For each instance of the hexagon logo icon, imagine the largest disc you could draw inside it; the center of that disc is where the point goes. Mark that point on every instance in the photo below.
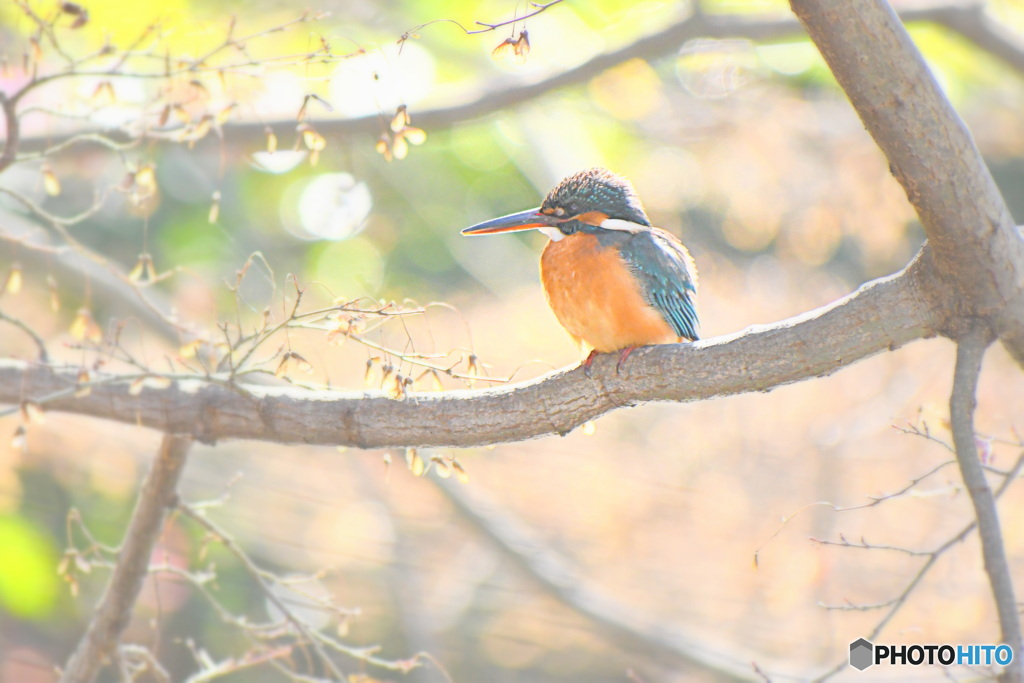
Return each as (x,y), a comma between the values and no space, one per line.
(861,654)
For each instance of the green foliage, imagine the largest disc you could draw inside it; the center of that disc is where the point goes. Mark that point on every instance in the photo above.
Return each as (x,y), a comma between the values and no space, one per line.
(29,584)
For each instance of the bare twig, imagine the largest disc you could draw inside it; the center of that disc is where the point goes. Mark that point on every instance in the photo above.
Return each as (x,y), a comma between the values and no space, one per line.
(157,494)
(108,284)
(319,641)
(537,9)
(487,27)
(260,577)
(970,350)
(896,603)
(44,356)
(873,501)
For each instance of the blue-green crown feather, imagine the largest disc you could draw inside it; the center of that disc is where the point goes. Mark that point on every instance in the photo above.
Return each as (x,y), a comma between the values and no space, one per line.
(597,189)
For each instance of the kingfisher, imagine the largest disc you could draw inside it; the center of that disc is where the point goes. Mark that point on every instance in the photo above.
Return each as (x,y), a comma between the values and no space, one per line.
(614,281)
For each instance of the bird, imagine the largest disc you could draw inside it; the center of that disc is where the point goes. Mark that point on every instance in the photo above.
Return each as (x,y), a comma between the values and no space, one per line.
(613,281)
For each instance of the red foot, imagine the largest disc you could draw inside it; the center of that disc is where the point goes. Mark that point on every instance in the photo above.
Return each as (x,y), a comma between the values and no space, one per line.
(622,358)
(587,362)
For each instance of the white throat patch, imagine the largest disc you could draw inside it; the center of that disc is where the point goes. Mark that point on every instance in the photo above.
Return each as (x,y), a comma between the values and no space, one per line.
(554,234)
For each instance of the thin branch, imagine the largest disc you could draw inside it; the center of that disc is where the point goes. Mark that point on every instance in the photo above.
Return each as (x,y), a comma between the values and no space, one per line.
(969,353)
(44,356)
(882,315)
(261,579)
(58,222)
(95,138)
(487,27)
(109,286)
(933,556)
(319,641)
(537,9)
(157,494)
(183,67)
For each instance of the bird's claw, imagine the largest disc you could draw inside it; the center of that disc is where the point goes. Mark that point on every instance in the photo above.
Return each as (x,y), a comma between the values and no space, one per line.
(622,358)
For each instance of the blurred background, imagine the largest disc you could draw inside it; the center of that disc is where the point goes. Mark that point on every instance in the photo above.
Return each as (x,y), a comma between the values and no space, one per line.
(748,152)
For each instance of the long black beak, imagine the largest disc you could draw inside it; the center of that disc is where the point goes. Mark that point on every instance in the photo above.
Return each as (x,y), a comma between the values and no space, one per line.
(524,220)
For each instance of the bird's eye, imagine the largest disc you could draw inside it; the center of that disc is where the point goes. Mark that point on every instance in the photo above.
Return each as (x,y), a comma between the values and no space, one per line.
(559,211)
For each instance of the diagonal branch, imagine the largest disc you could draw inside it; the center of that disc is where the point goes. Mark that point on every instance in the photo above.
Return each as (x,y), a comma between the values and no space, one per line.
(556,577)
(115,608)
(964,17)
(967,18)
(882,315)
(262,580)
(969,353)
(973,23)
(72,265)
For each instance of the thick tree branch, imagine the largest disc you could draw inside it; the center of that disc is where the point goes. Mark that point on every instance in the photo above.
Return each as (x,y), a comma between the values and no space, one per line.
(969,353)
(884,314)
(976,250)
(157,495)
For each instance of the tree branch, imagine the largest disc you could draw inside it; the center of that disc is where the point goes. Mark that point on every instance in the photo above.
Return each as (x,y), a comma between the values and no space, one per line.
(969,353)
(894,605)
(972,22)
(975,247)
(884,314)
(12,138)
(108,623)
(964,17)
(958,16)
(554,575)
(73,265)
(260,577)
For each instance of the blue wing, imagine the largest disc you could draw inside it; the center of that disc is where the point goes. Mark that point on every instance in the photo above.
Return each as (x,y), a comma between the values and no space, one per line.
(667,277)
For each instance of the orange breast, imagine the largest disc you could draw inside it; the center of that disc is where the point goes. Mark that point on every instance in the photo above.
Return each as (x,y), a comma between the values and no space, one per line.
(596,298)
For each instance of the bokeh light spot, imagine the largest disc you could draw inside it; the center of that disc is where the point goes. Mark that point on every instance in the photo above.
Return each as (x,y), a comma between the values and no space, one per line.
(383,79)
(279,162)
(629,91)
(330,206)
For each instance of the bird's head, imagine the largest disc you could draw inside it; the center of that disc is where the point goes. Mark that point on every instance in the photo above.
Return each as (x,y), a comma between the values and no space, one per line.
(588,198)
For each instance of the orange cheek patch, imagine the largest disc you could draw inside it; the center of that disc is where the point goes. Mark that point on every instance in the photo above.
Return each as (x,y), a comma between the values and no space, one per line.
(595,218)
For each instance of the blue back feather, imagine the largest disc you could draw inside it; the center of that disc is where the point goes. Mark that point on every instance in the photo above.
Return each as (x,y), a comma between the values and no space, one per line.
(667,278)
